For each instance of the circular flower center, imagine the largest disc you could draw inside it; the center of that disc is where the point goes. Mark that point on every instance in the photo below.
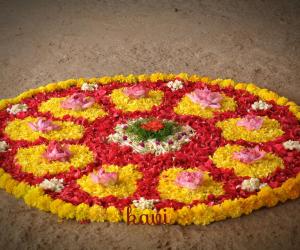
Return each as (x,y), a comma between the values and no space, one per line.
(154,125)
(145,129)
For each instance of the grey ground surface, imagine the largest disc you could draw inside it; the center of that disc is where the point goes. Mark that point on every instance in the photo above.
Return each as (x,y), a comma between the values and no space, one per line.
(249,41)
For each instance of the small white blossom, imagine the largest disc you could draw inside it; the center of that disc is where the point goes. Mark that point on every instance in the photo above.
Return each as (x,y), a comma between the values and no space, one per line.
(250,185)
(15,109)
(262,185)
(175,85)
(3,146)
(89,86)
(291,145)
(53,184)
(143,203)
(261,105)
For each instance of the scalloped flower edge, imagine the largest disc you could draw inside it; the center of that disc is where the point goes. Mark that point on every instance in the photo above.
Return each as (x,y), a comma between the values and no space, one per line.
(200,214)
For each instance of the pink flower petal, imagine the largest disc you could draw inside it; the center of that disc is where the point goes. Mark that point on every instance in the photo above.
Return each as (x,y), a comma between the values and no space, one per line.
(95,178)
(249,155)
(43,125)
(206,98)
(136,91)
(33,126)
(77,102)
(251,122)
(190,180)
(57,152)
(105,179)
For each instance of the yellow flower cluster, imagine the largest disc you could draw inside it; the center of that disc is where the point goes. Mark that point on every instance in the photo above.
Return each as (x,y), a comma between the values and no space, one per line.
(126,185)
(31,160)
(35,197)
(168,189)
(53,106)
(19,129)
(223,158)
(128,104)
(199,215)
(264,94)
(231,131)
(187,107)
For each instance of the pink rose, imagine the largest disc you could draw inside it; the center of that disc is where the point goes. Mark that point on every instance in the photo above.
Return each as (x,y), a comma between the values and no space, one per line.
(43,125)
(136,91)
(249,155)
(251,122)
(77,101)
(105,179)
(206,98)
(57,152)
(190,180)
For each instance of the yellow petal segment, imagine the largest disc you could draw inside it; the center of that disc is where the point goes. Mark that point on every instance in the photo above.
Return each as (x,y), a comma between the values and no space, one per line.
(53,106)
(19,129)
(31,160)
(168,189)
(187,107)
(127,104)
(223,158)
(270,130)
(126,185)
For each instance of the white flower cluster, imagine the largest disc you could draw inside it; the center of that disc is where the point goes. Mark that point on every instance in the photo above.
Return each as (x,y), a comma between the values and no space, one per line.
(89,86)
(252,185)
(175,85)
(53,184)
(143,203)
(291,145)
(15,109)
(171,143)
(3,146)
(261,105)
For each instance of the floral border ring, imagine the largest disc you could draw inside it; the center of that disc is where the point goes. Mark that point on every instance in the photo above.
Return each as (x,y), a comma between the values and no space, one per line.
(159,148)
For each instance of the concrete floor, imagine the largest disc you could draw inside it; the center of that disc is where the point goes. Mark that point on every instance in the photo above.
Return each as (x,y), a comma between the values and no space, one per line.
(249,41)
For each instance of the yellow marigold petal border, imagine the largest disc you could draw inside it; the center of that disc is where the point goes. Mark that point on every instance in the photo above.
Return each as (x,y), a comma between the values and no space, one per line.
(264,94)
(200,215)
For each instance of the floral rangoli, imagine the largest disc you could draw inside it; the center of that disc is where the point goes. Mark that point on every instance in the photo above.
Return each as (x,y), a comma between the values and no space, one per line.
(153,149)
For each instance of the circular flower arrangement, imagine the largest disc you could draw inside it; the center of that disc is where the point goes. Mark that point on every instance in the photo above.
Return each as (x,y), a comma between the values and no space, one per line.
(158,148)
